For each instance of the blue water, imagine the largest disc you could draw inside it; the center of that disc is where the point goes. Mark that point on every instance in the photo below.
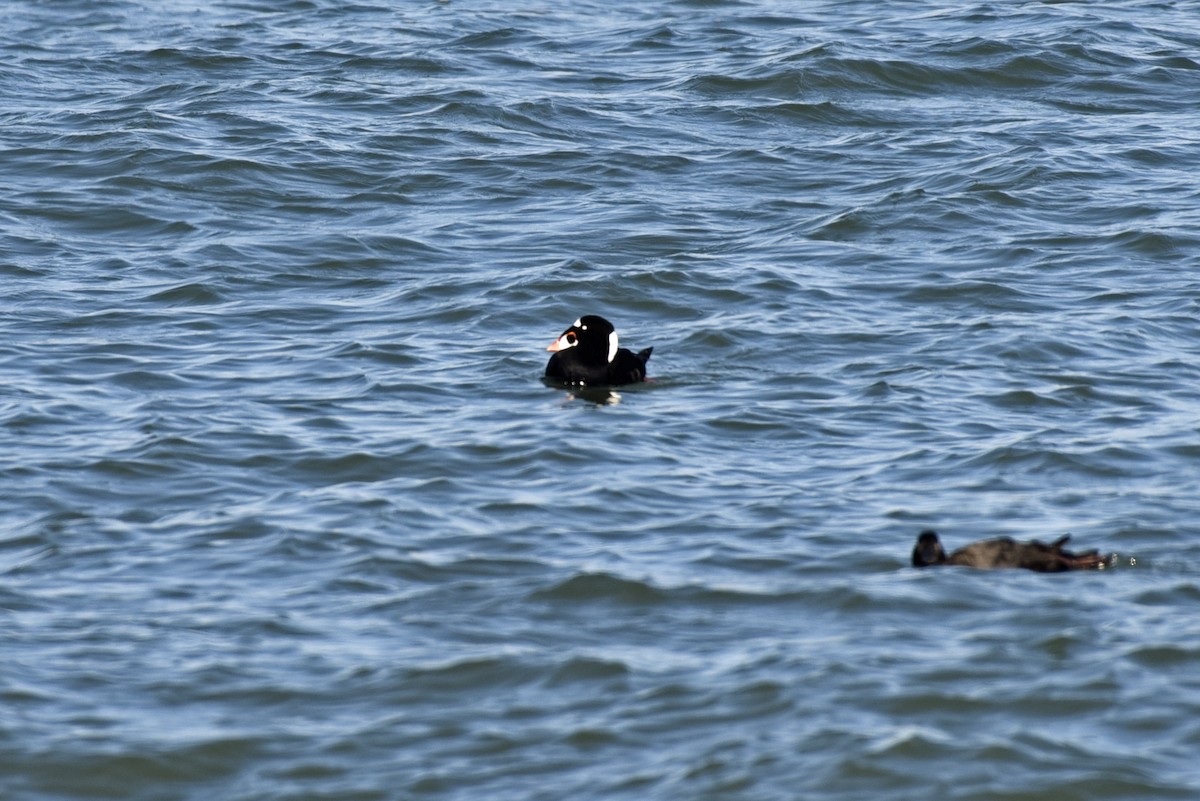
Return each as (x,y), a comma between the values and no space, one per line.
(288,512)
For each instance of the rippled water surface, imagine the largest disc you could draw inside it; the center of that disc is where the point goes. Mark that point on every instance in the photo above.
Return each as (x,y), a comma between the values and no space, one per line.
(288,512)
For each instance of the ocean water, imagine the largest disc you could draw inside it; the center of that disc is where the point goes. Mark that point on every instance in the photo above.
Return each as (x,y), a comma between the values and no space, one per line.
(288,512)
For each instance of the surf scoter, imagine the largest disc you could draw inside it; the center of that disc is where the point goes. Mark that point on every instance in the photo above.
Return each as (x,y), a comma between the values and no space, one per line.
(1007,552)
(587,354)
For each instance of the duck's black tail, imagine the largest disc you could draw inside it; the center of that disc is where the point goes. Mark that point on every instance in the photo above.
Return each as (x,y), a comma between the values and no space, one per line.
(1092,560)
(1088,560)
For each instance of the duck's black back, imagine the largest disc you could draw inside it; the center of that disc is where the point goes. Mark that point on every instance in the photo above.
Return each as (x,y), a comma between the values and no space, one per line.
(572,367)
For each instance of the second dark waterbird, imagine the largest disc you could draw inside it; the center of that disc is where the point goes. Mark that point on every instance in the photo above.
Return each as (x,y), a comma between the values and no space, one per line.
(1006,552)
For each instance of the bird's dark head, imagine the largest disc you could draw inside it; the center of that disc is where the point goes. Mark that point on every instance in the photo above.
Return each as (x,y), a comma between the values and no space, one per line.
(593,335)
(929,550)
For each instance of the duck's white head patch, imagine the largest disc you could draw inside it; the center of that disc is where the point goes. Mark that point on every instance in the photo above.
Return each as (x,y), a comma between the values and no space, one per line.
(612,346)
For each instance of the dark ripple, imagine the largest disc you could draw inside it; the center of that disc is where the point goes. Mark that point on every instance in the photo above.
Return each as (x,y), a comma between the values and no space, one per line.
(602,587)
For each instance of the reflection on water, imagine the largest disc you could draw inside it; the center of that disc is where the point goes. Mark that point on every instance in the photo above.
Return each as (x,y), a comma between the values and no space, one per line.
(598,395)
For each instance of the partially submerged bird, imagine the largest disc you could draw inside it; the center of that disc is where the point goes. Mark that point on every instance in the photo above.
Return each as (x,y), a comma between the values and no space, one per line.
(1007,552)
(587,354)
